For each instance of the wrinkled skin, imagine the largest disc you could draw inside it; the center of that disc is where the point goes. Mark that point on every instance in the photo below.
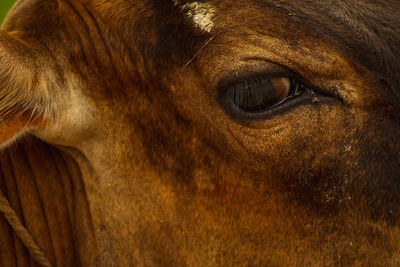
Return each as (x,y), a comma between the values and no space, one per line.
(148,168)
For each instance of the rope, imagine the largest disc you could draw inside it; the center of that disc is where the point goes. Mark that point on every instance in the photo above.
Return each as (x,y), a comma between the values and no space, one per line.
(26,238)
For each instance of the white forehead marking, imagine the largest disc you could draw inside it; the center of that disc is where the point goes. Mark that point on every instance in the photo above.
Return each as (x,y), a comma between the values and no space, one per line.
(201,14)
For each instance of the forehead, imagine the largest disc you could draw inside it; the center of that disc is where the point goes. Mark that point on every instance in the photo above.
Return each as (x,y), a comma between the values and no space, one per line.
(364,31)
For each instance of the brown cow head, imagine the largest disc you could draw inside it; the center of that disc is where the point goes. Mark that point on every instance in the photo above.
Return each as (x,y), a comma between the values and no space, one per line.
(218,132)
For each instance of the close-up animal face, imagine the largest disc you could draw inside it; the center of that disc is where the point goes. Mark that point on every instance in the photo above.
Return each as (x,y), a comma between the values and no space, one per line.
(200,133)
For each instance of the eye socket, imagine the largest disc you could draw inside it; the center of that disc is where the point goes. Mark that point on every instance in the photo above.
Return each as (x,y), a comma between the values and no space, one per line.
(258,95)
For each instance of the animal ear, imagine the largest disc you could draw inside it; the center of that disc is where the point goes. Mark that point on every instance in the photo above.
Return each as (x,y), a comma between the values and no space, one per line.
(24,94)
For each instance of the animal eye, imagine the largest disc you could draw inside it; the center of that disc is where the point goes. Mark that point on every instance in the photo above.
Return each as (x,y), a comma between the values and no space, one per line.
(257,96)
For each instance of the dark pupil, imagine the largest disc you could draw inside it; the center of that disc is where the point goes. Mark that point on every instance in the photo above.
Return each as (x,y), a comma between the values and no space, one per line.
(257,95)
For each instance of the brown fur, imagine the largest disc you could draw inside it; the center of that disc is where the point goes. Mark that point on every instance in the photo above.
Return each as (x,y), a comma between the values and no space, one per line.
(140,164)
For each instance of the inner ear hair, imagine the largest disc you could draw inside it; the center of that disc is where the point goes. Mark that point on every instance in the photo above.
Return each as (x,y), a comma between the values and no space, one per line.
(25,100)
(24,93)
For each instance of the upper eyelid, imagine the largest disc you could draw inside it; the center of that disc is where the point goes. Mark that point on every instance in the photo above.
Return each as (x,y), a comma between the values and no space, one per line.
(278,69)
(254,67)
(230,79)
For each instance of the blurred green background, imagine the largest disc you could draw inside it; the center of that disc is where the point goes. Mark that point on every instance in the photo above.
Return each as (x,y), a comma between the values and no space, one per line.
(5,5)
